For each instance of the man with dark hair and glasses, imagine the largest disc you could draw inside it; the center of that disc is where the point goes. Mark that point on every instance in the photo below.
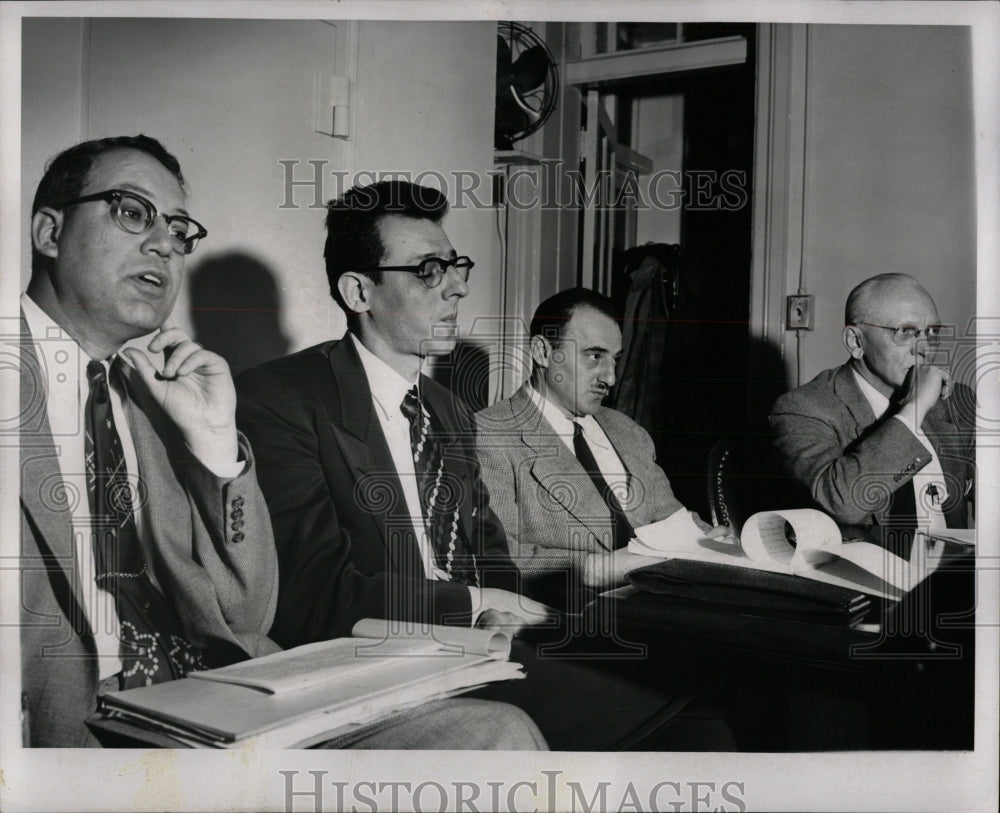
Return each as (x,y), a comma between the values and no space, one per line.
(885,441)
(146,545)
(143,531)
(369,469)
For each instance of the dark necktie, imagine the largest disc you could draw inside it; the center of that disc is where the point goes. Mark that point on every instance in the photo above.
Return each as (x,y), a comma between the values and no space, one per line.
(901,521)
(438,496)
(623,530)
(152,646)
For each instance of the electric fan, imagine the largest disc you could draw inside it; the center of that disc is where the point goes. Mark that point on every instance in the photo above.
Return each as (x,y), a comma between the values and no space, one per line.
(527,84)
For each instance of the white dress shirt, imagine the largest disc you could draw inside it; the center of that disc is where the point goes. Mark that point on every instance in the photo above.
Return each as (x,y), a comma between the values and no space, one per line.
(928,484)
(611,466)
(389,389)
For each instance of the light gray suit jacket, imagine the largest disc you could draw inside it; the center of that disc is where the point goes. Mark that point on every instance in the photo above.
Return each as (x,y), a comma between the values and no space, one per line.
(214,556)
(553,514)
(829,441)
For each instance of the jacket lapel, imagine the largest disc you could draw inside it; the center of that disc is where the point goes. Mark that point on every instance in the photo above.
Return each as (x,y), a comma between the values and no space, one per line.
(557,471)
(853,399)
(41,477)
(362,442)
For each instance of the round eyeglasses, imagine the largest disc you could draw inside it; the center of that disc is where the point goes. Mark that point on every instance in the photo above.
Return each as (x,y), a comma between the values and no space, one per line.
(131,212)
(908,333)
(432,270)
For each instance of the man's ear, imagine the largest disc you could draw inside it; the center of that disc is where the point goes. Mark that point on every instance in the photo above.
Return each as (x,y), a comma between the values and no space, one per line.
(355,291)
(46,224)
(540,351)
(852,341)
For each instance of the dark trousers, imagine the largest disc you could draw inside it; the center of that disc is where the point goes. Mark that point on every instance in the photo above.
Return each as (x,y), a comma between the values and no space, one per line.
(587,699)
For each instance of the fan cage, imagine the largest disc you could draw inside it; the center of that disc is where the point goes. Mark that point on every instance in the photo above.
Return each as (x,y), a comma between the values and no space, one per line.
(520,38)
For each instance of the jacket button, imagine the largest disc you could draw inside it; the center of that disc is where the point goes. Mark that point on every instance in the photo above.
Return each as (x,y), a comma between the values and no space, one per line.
(238,536)
(237,525)
(237,513)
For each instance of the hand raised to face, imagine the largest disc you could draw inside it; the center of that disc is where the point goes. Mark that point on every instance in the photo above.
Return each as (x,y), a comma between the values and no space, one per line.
(195,389)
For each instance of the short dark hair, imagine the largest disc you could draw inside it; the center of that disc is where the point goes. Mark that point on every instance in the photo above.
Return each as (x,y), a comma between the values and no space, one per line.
(353,242)
(552,315)
(66,174)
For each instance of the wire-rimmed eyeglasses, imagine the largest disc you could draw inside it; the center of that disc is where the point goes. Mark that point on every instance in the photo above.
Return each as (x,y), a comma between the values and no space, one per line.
(908,333)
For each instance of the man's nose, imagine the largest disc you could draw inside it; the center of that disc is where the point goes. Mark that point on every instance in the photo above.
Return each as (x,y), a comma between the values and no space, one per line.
(607,373)
(454,283)
(157,238)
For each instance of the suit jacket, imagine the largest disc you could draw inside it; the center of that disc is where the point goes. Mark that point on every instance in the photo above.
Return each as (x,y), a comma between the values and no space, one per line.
(553,514)
(830,442)
(213,548)
(345,544)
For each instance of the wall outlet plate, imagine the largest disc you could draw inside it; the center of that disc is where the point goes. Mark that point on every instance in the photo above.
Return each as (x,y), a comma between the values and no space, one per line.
(799,312)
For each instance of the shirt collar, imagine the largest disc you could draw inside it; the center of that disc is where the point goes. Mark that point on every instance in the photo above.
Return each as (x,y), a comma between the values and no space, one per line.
(876,400)
(559,421)
(65,381)
(388,387)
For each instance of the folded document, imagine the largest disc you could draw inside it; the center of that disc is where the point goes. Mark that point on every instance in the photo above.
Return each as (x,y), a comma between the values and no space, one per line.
(309,694)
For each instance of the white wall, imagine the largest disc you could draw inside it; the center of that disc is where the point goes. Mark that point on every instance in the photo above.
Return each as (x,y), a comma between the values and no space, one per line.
(425,96)
(890,182)
(51,90)
(232,98)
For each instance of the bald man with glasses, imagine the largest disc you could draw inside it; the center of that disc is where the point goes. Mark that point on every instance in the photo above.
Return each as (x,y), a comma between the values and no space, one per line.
(886,440)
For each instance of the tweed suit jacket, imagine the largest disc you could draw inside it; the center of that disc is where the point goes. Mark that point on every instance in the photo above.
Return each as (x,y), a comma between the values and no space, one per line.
(829,441)
(344,536)
(212,545)
(553,514)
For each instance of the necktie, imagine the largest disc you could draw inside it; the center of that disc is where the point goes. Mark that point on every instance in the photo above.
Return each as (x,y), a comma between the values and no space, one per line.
(901,521)
(152,646)
(438,496)
(623,530)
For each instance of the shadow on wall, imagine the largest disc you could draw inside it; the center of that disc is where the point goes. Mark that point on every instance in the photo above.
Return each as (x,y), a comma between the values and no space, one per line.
(466,372)
(236,310)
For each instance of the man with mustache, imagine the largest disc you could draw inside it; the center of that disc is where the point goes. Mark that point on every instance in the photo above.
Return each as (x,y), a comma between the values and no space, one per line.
(146,546)
(885,441)
(569,478)
(369,470)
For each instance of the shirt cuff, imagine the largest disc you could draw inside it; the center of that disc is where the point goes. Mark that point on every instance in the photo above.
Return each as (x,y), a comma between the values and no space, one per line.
(477,604)
(907,419)
(225,470)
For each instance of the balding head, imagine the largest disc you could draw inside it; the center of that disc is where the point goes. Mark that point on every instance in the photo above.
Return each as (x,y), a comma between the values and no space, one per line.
(875,310)
(879,296)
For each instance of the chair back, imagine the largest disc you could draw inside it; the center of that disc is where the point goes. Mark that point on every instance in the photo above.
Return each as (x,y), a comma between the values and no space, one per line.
(745,477)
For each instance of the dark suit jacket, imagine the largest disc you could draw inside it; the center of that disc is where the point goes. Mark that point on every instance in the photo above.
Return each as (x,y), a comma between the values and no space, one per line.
(830,442)
(217,567)
(553,514)
(345,545)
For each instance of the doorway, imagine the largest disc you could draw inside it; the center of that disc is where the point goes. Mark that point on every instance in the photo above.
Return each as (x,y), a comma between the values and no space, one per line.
(689,384)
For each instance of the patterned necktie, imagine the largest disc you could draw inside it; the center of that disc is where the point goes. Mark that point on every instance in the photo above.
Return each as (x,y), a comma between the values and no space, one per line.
(438,496)
(623,530)
(152,646)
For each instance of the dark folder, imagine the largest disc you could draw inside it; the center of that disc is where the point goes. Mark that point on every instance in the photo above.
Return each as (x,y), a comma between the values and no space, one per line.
(750,591)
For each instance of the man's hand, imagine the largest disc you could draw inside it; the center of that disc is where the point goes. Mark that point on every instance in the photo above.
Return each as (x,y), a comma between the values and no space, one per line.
(602,571)
(195,389)
(510,612)
(926,384)
(723,532)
